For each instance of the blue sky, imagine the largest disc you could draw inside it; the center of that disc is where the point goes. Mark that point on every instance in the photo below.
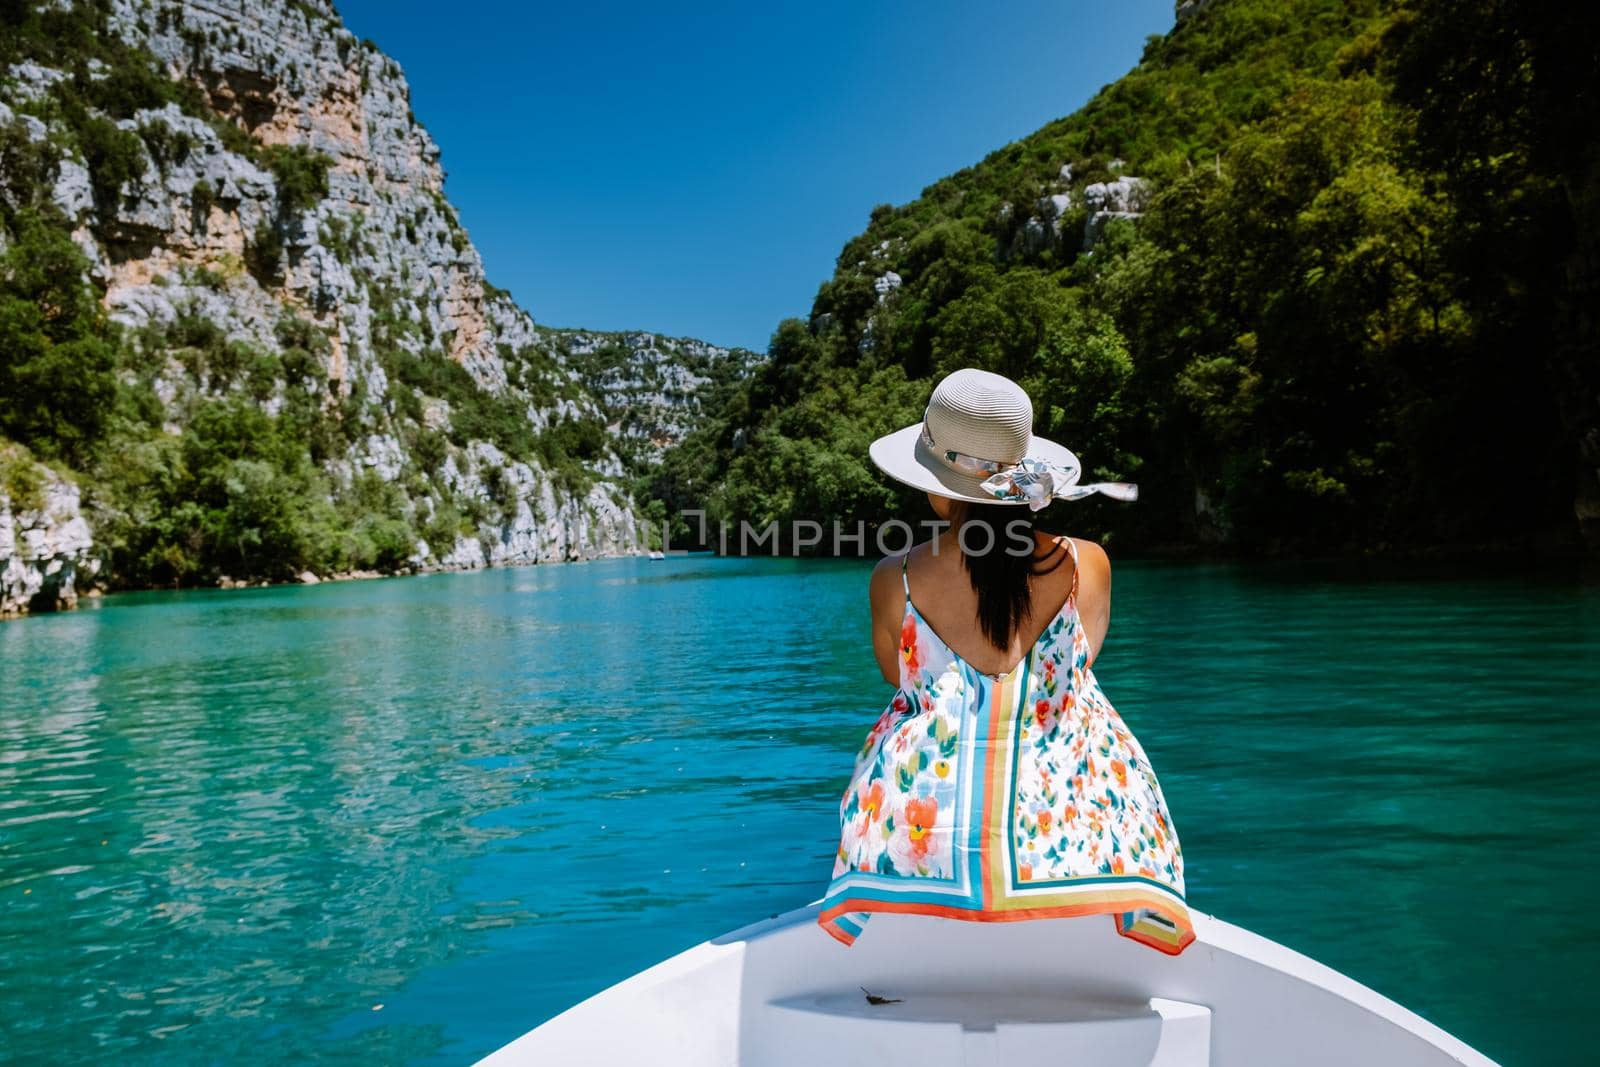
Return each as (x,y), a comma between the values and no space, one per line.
(695,171)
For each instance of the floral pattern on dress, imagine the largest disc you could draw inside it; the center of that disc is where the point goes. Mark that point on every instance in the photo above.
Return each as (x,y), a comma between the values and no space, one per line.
(897,817)
(1086,800)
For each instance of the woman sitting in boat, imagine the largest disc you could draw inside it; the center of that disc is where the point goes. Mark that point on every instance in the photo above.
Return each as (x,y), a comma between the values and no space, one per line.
(999,784)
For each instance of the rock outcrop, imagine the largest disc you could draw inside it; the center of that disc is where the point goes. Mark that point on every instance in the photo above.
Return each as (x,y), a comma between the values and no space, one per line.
(45,545)
(1098,203)
(1121,198)
(1184,10)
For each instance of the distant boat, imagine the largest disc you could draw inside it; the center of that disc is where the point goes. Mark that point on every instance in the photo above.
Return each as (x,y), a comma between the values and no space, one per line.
(942,993)
(657,555)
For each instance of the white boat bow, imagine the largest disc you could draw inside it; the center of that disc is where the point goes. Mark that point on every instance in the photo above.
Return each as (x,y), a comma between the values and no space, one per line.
(943,993)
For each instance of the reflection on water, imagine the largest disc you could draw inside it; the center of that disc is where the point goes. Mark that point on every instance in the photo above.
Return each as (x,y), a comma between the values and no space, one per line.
(232,825)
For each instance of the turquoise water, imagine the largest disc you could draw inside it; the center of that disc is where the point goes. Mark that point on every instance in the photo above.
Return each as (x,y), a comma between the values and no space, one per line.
(234,824)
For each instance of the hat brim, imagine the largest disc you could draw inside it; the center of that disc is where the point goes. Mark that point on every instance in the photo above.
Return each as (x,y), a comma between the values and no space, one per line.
(906,458)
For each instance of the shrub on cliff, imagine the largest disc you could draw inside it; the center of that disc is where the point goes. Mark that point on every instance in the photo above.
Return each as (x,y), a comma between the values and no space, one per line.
(57,357)
(22,480)
(263,253)
(301,175)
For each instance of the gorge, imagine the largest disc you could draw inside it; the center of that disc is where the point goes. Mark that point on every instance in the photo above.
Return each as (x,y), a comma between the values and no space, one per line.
(1278,274)
(247,337)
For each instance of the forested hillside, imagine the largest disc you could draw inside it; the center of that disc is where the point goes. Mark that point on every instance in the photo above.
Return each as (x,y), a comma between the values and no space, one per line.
(1320,275)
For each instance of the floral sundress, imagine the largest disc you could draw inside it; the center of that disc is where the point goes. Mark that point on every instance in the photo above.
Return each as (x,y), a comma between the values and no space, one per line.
(1021,796)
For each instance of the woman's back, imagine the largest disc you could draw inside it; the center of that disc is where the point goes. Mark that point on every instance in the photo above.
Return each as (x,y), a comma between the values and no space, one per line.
(936,581)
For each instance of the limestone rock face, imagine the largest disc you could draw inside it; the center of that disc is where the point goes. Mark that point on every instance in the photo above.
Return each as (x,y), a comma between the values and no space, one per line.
(45,545)
(1123,198)
(290,75)
(653,389)
(368,269)
(1056,205)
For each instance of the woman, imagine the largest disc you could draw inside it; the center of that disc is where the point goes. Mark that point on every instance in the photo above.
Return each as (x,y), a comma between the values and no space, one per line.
(999,784)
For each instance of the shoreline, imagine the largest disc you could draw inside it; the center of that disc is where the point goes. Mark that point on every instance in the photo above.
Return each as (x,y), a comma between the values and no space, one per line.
(229,585)
(1430,561)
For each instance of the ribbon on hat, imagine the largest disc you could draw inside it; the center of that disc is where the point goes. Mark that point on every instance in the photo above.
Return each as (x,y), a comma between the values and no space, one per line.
(1032,479)
(1038,482)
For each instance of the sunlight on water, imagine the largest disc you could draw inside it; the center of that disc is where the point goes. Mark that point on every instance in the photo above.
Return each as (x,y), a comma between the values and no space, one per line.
(234,825)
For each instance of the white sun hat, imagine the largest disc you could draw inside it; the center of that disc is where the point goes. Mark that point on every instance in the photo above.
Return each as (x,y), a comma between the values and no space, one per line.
(975,442)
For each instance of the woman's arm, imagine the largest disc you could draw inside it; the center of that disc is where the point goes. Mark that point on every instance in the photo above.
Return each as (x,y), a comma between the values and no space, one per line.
(888,609)
(1094,593)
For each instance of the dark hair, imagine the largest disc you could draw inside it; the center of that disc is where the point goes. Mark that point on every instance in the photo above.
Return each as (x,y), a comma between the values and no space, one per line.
(1000,555)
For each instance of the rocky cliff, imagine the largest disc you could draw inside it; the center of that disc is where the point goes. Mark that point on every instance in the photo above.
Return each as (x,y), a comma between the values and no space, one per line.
(45,546)
(653,389)
(263,225)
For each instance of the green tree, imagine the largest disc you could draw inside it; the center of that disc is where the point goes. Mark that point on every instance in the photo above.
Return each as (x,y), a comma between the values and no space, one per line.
(57,360)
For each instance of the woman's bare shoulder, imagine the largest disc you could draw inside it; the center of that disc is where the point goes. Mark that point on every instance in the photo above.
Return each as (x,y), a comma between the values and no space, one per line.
(887,569)
(885,586)
(1091,555)
(1092,559)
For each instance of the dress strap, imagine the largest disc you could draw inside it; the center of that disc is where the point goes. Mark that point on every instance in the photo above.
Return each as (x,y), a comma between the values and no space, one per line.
(905,579)
(1072,550)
